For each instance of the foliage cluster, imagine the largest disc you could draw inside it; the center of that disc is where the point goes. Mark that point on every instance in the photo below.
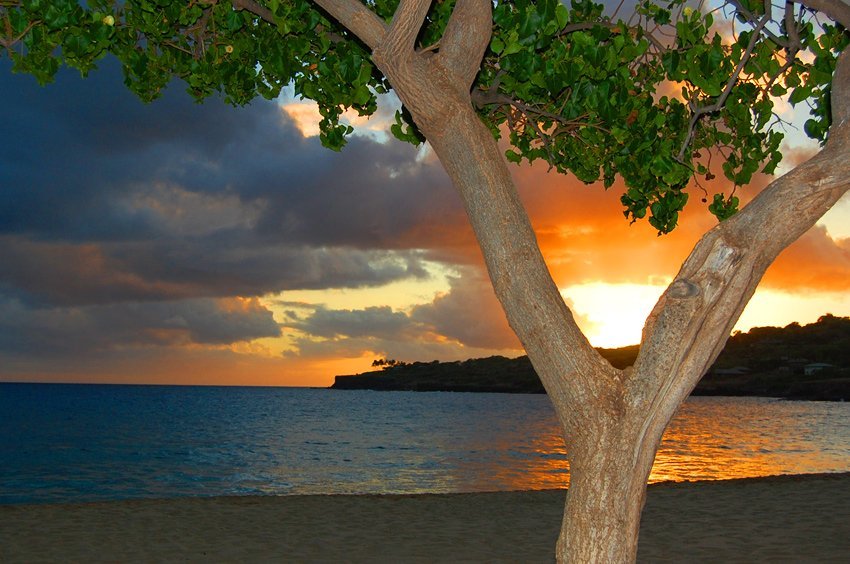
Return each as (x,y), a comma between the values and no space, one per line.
(655,99)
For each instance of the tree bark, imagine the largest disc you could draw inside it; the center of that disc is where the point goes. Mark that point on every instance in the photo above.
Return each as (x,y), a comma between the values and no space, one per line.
(613,419)
(606,497)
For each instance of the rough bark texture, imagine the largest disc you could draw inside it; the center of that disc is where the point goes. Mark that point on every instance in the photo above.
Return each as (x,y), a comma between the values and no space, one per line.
(613,419)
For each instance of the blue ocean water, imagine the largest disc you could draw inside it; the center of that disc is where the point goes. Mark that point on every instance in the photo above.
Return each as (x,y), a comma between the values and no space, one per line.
(69,443)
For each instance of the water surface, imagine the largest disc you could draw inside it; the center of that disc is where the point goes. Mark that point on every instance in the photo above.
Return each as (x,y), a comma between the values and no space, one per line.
(91,442)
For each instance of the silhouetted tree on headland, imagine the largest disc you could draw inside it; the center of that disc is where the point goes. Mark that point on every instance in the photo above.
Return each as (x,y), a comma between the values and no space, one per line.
(385,363)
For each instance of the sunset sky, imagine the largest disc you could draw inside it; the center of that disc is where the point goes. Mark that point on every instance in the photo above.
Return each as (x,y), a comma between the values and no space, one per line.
(204,244)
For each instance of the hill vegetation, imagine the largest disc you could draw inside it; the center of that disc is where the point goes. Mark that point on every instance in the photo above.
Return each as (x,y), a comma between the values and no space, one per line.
(809,362)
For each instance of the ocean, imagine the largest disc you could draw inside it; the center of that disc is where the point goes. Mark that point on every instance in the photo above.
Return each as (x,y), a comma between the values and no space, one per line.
(79,443)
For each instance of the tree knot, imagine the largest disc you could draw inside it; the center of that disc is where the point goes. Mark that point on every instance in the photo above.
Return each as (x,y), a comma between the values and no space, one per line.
(682,289)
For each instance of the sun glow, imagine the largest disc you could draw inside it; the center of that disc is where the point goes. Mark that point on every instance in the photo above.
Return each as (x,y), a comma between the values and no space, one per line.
(775,308)
(612,315)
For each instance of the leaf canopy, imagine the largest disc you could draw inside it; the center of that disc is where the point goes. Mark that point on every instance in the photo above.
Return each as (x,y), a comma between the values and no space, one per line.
(660,99)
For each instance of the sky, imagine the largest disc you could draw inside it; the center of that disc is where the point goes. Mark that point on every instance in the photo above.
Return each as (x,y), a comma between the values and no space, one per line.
(184,243)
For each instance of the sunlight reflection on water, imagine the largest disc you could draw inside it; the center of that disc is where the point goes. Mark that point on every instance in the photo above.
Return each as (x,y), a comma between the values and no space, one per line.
(721,438)
(710,438)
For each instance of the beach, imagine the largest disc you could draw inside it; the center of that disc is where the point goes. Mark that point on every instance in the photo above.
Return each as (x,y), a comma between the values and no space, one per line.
(775,519)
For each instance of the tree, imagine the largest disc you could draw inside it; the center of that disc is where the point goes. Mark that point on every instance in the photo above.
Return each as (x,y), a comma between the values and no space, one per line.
(386,363)
(657,100)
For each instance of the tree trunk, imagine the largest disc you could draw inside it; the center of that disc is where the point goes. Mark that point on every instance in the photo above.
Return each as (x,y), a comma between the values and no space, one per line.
(604,503)
(607,477)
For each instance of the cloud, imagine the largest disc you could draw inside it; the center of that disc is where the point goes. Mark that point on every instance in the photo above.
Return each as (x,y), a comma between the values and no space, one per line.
(89,173)
(585,238)
(176,199)
(108,330)
(469,313)
(63,273)
(120,222)
(81,146)
(79,274)
(465,321)
(306,116)
(814,263)
(377,322)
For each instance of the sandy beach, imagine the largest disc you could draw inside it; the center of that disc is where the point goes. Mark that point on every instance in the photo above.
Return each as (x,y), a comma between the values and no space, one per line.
(778,519)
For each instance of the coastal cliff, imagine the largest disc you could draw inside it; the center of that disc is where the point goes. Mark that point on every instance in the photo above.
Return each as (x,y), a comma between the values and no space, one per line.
(810,362)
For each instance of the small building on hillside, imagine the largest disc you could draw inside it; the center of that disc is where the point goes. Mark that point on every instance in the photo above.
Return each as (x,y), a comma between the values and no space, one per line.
(816,367)
(734,371)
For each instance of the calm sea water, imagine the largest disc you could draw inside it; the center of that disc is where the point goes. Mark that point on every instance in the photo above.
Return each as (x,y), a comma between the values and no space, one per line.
(61,443)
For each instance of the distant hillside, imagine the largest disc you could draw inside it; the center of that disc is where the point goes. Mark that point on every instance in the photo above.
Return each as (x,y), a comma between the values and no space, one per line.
(794,362)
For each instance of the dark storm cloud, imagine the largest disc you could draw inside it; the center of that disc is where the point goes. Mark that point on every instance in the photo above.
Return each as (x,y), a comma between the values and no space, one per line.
(377,322)
(78,331)
(76,147)
(81,274)
(83,147)
(107,199)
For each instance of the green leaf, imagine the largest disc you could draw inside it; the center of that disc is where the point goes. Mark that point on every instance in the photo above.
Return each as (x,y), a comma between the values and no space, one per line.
(512,47)
(723,208)
(497,45)
(799,94)
(562,16)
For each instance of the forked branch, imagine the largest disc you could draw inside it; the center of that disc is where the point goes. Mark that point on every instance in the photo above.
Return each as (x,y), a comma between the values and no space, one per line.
(466,38)
(405,26)
(358,19)
(722,272)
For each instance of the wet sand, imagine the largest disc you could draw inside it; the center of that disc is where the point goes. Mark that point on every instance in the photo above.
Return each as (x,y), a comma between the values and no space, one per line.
(778,519)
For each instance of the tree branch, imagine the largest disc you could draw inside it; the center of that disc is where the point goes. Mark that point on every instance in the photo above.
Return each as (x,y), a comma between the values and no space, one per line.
(12,40)
(585,26)
(727,89)
(358,19)
(837,10)
(466,38)
(841,90)
(791,27)
(753,19)
(258,10)
(407,21)
(417,80)
(721,274)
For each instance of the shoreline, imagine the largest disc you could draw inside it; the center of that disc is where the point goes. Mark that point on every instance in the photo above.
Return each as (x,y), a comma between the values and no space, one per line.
(789,518)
